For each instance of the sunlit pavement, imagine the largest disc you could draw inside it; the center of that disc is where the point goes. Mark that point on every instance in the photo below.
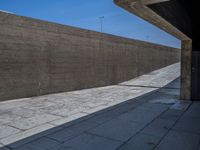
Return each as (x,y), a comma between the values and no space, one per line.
(134,115)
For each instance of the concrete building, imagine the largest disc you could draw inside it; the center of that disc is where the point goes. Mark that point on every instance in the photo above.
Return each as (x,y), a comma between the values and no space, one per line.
(174,17)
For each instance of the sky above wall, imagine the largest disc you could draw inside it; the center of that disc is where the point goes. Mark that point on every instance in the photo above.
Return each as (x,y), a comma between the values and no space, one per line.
(86,14)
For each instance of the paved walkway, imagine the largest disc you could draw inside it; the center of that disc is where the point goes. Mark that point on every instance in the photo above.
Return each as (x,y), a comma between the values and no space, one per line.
(107,118)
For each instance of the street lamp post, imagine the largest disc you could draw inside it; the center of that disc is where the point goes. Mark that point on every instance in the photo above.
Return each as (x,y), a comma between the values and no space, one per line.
(101,21)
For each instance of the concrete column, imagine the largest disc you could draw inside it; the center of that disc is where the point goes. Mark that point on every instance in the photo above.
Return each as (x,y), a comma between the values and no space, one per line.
(186,57)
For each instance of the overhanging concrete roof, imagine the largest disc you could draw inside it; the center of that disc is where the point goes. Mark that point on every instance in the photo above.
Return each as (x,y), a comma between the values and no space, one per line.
(140,8)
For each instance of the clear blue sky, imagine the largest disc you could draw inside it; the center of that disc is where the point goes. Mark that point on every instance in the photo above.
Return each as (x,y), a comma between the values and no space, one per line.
(85,14)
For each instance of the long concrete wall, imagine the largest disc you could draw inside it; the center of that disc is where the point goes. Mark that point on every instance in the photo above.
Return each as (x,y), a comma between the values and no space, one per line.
(38,57)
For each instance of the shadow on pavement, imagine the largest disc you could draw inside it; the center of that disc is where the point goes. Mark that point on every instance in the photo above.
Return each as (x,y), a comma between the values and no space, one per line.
(60,134)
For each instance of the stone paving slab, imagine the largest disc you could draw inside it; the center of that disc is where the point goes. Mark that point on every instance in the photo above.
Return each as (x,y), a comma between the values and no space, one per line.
(28,123)
(142,114)
(117,129)
(4,148)
(89,142)
(181,105)
(68,119)
(7,131)
(141,142)
(175,92)
(68,133)
(39,144)
(171,115)
(185,125)
(24,134)
(158,127)
(150,80)
(194,110)
(109,115)
(8,117)
(179,141)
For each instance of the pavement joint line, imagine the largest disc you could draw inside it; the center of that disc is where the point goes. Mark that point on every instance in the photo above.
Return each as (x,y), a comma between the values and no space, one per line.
(57,116)
(198,147)
(186,131)
(8,147)
(74,135)
(142,129)
(2,144)
(35,139)
(188,107)
(22,130)
(86,132)
(169,129)
(154,87)
(48,138)
(87,115)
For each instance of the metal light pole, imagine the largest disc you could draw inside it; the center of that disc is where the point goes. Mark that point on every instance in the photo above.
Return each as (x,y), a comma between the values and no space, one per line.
(101,21)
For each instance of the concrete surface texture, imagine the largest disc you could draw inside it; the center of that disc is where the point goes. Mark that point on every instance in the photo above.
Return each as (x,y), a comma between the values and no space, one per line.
(22,118)
(38,58)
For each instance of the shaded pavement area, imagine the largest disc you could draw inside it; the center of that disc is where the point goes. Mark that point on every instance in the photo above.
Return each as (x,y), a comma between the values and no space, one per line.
(155,121)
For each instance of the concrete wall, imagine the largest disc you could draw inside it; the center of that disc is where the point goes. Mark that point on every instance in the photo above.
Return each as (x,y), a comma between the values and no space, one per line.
(38,57)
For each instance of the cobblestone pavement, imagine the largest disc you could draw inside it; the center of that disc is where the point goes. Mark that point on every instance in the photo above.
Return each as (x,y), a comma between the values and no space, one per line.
(134,115)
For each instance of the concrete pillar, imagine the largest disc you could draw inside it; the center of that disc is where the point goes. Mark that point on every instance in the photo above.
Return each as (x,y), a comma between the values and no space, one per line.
(186,57)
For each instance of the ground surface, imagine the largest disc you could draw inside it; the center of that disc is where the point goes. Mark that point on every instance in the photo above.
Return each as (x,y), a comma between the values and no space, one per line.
(107,118)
